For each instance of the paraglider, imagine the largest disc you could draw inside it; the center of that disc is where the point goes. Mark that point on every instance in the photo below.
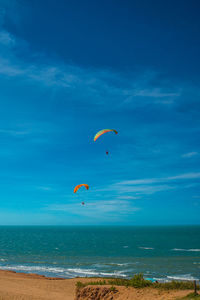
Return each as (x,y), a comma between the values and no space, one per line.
(80,185)
(99,133)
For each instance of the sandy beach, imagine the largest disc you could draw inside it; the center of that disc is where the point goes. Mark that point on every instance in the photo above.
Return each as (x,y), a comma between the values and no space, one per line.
(21,286)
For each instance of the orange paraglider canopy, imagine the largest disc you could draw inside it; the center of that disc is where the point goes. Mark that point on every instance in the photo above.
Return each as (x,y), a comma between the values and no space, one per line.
(80,185)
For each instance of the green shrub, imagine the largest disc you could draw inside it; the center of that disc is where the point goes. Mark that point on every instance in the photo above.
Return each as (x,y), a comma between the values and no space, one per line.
(190,297)
(80,284)
(99,282)
(138,281)
(118,281)
(113,288)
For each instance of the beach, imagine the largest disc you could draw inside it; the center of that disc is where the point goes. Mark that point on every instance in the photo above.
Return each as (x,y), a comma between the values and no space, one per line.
(21,286)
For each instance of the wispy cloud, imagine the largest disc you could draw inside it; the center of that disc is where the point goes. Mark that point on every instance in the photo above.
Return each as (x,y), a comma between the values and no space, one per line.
(150,185)
(189,154)
(6,38)
(162,179)
(122,188)
(13,132)
(160,95)
(104,207)
(9,69)
(185,176)
(126,197)
(103,84)
(44,188)
(155,93)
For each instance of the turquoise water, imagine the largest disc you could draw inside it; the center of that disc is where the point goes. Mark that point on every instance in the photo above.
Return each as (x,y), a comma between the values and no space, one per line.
(158,252)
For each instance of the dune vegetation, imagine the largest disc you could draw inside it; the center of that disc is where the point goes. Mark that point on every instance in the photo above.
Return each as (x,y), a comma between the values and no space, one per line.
(138,281)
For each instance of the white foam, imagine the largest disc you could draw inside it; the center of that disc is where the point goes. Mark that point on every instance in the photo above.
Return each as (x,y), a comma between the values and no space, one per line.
(125,246)
(187,250)
(94,273)
(182,277)
(33,268)
(118,264)
(69,272)
(146,248)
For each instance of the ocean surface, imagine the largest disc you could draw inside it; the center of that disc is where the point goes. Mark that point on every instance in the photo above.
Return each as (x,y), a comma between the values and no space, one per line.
(163,253)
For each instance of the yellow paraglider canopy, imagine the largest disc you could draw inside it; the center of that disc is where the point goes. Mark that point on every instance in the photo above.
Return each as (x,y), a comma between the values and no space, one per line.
(99,133)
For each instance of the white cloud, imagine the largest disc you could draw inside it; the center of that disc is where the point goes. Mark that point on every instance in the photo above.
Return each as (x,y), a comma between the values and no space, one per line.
(103,84)
(127,197)
(138,181)
(92,208)
(158,180)
(44,188)
(9,69)
(155,93)
(190,154)
(138,189)
(149,185)
(185,176)
(13,132)
(6,38)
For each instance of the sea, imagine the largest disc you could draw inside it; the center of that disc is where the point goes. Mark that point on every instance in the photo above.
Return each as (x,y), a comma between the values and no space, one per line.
(162,253)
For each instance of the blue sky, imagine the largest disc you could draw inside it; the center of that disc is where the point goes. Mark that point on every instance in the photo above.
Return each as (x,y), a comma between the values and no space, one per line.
(71,68)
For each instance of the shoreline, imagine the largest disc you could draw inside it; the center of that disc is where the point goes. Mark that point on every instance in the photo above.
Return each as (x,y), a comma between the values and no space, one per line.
(61,276)
(33,275)
(31,286)
(52,252)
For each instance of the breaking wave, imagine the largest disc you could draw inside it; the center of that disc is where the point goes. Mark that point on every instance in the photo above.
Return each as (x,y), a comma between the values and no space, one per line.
(64,272)
(146,248)
(187,250)
(182,277)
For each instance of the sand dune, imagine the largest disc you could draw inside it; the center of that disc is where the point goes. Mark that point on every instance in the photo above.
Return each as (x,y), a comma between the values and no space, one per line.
(20,286)
(123,293)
